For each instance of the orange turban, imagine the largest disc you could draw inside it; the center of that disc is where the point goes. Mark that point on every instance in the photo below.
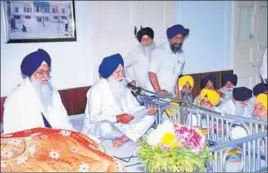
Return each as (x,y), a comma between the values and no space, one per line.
(184,79)
(262,98)
(212,96)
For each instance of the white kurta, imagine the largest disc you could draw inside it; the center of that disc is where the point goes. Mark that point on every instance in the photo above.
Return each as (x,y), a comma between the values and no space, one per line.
(23,110)
(167,66)
(102,107)
(263,69)
(136,65)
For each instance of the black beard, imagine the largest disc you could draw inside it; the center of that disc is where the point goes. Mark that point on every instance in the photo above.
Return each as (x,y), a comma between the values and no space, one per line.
(176,48)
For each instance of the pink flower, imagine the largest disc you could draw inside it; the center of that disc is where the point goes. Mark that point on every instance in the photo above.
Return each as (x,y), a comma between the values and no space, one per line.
(190,138)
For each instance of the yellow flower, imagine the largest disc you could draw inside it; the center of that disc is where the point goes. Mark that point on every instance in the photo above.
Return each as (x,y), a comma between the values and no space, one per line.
(168,138)
(175,145)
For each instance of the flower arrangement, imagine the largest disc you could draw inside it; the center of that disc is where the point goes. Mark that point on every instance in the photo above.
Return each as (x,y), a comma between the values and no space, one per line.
(174,148)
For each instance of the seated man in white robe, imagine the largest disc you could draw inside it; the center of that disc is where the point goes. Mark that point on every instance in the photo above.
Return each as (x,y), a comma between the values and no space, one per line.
(260,107)
(229,82)
(35,103)
(112,112)
(239,104)
(137,62)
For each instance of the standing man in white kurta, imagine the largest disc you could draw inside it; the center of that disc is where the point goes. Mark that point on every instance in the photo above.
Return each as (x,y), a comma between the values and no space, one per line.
(167,62)
(137,62)
(111,110)
(35,103)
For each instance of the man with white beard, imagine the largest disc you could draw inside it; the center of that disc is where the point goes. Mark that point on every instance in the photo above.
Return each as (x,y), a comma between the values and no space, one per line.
(239,104)
(35,103)
(136,63)
(112,112)
(229,82)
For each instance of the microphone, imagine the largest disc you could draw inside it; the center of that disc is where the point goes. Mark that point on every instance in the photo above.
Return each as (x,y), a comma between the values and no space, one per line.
(135,90)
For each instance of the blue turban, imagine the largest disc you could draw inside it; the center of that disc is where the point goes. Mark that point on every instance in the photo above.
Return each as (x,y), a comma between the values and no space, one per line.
(242,93)
(259,88)
(109,65)
(177,29)
(229,77)
(206,79)
(33,61)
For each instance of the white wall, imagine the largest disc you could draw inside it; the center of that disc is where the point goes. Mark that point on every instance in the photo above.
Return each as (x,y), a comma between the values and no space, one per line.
(74,64)
(71,61)
(209,44)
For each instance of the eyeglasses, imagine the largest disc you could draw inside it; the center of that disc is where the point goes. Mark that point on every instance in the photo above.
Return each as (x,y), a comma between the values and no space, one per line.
(43,72)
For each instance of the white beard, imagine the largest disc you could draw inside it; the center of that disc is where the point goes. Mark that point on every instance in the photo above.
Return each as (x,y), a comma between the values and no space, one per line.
(44,92)
(147,50)
(239,109)
(118,89)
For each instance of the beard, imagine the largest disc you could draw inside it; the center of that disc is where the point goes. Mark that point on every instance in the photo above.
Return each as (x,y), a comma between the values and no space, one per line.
(239,109)
(118,89)
(187,96)
(44,92)
(176,47)
(147,50)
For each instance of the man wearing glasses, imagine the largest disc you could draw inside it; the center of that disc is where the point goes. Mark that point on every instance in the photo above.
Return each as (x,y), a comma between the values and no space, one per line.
(35,103)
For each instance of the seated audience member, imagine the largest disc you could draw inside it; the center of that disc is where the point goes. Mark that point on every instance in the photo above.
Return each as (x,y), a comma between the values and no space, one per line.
(208,99)
(229,82)
(185,87)
(260,107)
(208,82)
(239,104)
(137,62)
(257,89)
(54,150)
(35,103)
(111,107)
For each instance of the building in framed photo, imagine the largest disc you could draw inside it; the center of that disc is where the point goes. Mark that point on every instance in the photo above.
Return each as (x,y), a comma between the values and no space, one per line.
(40,21)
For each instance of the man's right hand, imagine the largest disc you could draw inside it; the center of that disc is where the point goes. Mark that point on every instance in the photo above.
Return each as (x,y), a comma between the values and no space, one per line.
(162,92)
(133,83)
(124,118)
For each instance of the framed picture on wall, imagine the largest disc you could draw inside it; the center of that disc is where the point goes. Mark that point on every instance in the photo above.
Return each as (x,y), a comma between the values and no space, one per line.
(39,21)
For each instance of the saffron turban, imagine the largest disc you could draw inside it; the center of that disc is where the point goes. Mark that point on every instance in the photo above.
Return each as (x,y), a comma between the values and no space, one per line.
(109,65)
(262,98)
(176,29)
(212,96)
(33,61)
(186,79)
